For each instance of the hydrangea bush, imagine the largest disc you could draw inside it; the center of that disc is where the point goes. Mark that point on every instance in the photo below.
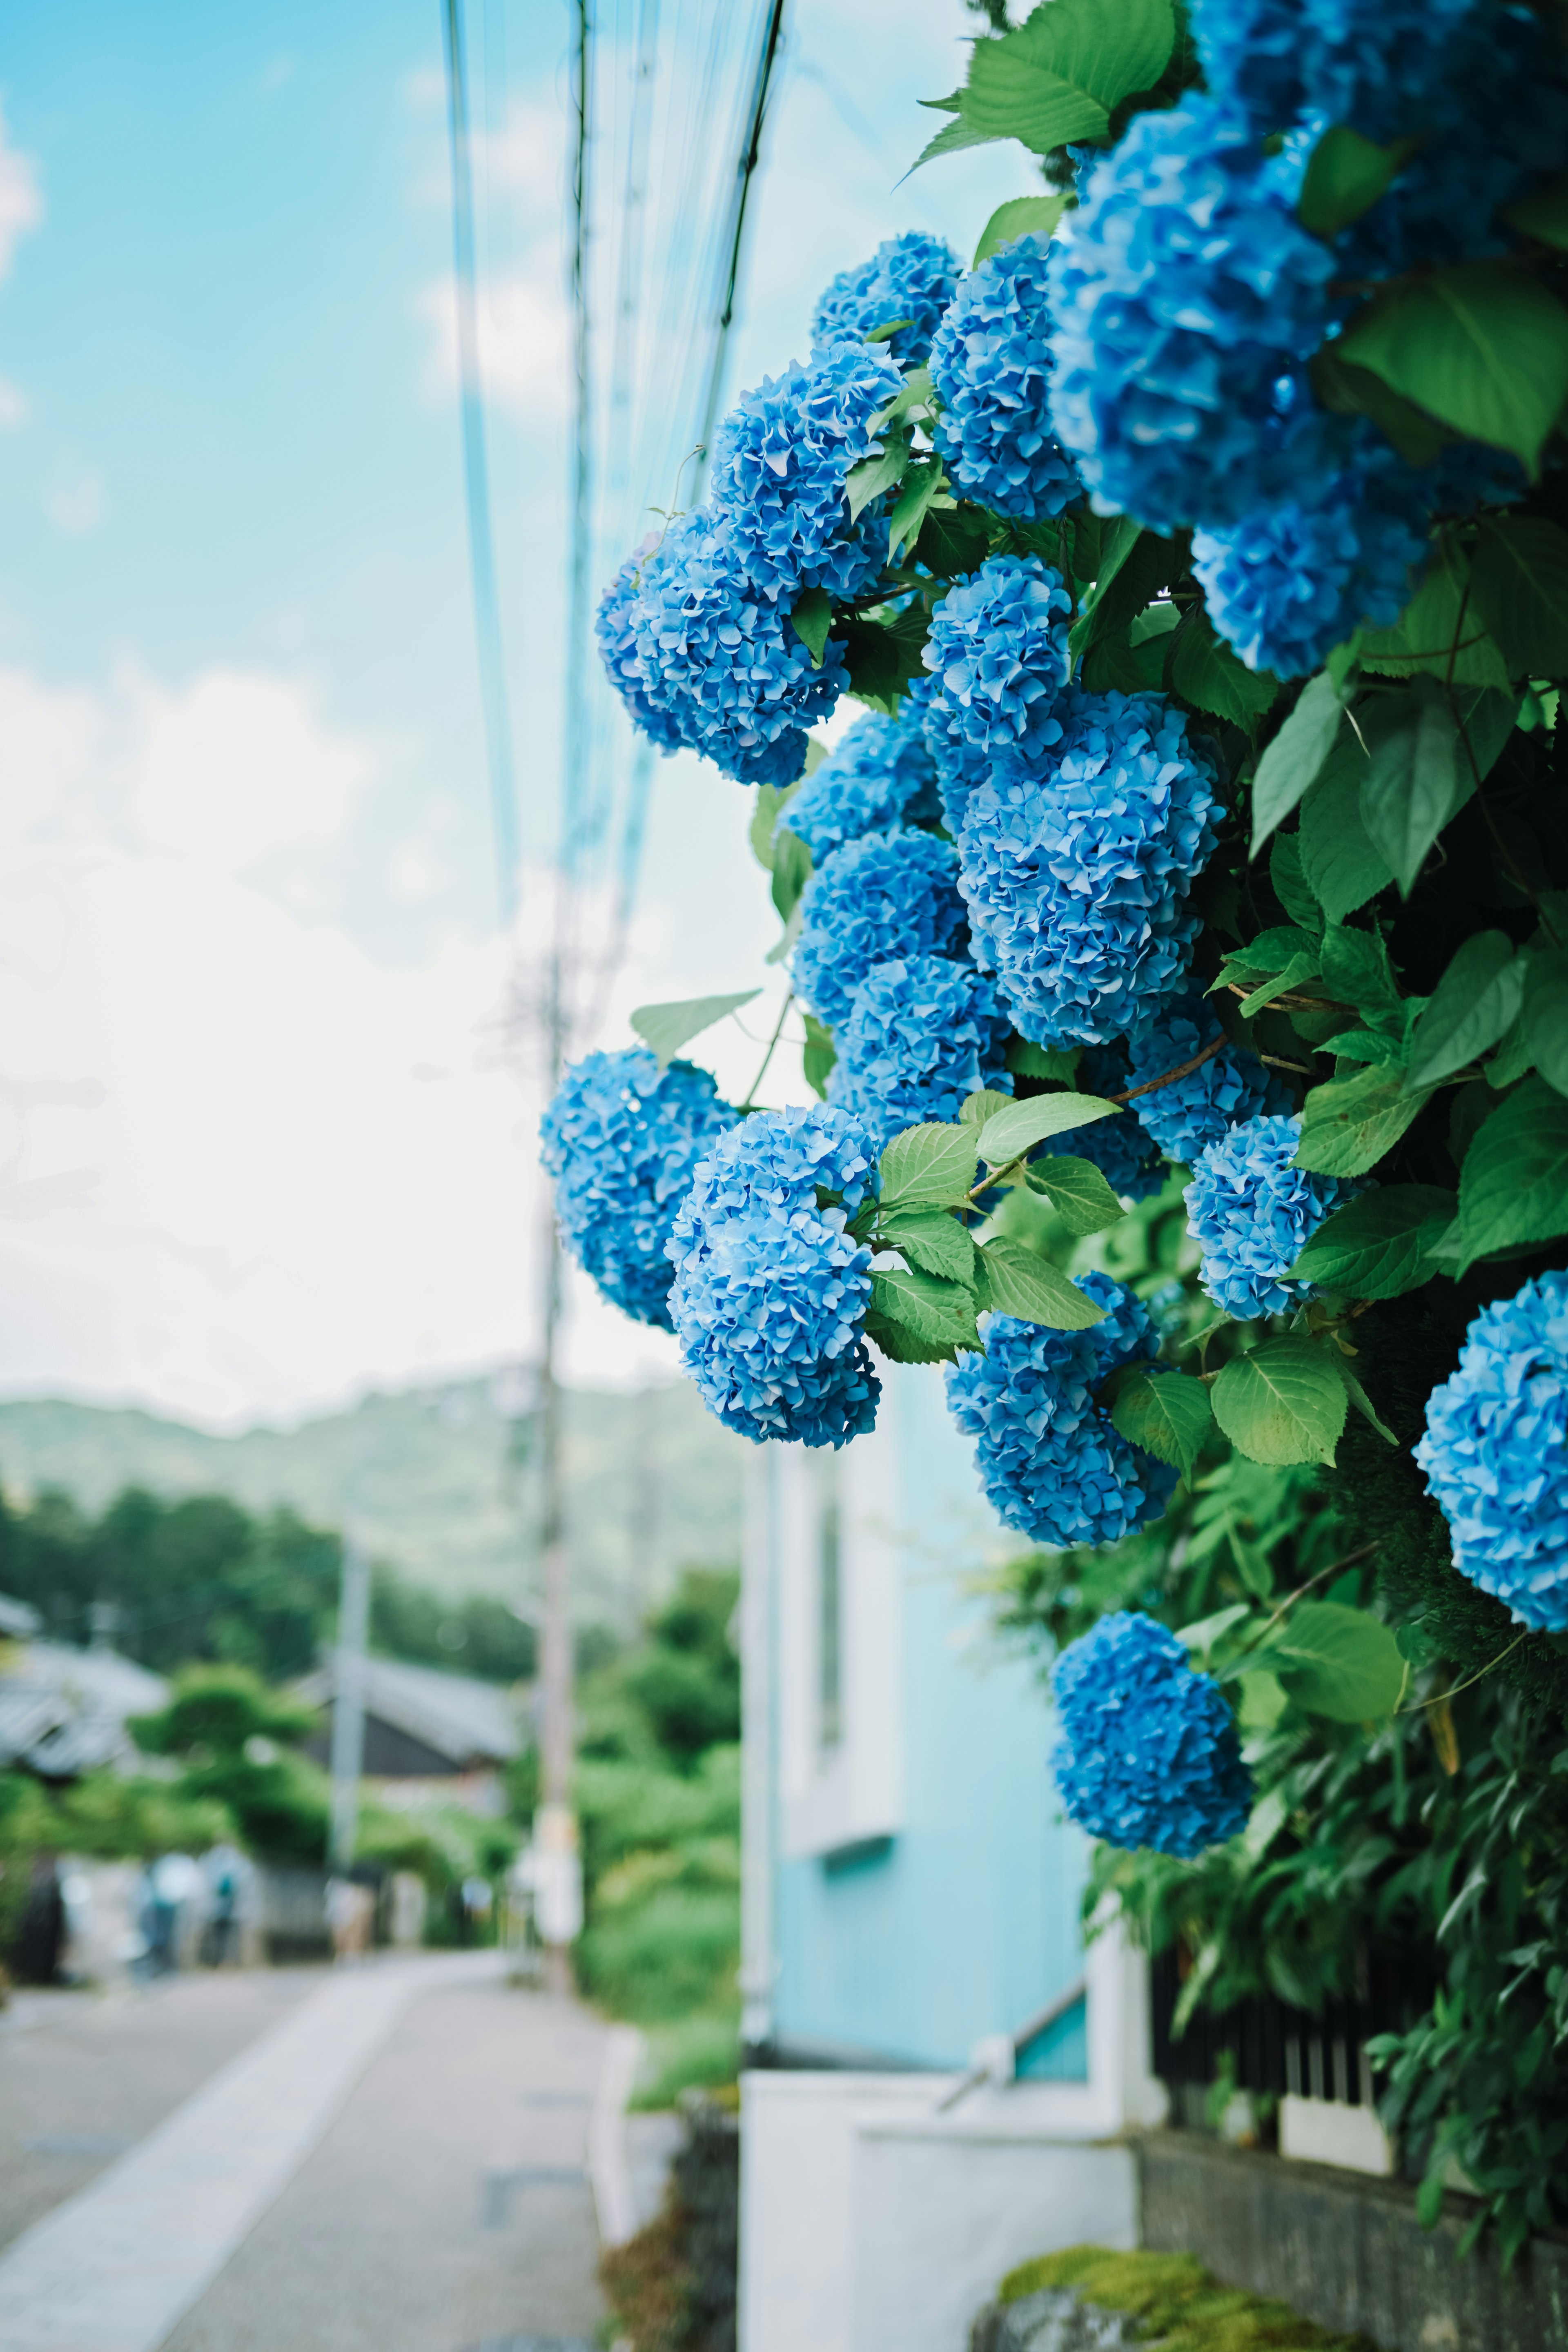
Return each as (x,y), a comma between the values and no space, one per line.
(1180,938)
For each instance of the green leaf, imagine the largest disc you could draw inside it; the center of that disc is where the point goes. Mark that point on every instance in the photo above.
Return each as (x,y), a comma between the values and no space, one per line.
(1482,347)
(1342,866)
(1358,1395)
(1509,1063)
(1024,1123)
(1077,1192)
(872,476)
(953,541)
(932,1239)
(1134,566)
(1020,216)
(1022,1283)
(1439,634)
(1295,757)
(667,1027)
(1206,672)
(1299,968)
(1290,885)
(1356,970)
(1167,1414)
(948,141)
(1274,949)
(938,1314)
(1475,1001)
(1415,779)
(920,486)
(794,923)
(1281,1402)
(1356,392)
(1348,1124)
(817,1054)
(1513,1186)
(1376,1247)
(882,656)
(1546,1015)
(1030,1061)
(981,1104)
(1519,579)
(1263,1702)
(1542,214)
(769,800)
(1345,174)
(928,1167)
(811,618)
(1333,1661)
(1059,75)
(792,870)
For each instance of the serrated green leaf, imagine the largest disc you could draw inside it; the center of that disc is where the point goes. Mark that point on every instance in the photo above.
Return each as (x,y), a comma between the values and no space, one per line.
(928,1167)
(783,944)
(811,617)
(1341,864)
(1545,1014)
(1476,1000)
(1056,1063)
(1519,579)
(1019,216)
(1482,347)
(1281,1402)
(1059,75)
(1294,760)
(938,1314)
(1167,1414)
(1348,1124)
(1024,1123)
(770,801)
(1356,392)
(1346,174)
(872,476)
(1291,884)
(1274,949)
(666,1027)
(1415,779)
(901,1346)
(791,870)
(920,486)
(932,1239)
(1359,1397)
(882,656)
(1206,672)
(1020,1282)
(1335,1662)
(819,1055)
(1299,968)
(981,1104)
(1439,634)
(1513,1186)
(1376,1245)
(1077,1192)
(1356,970)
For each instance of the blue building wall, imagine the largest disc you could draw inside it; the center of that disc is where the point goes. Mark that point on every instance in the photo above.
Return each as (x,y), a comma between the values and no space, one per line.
(965,1922)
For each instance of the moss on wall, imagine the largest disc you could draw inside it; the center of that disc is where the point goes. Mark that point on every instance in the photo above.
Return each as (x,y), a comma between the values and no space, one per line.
(1179,2305)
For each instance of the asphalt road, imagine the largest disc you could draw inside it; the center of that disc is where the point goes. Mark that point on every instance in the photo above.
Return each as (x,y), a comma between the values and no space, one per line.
(443,2204)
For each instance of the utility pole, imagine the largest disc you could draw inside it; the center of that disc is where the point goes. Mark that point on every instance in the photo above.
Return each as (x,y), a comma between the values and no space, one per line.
(348,1699)
(558,1871)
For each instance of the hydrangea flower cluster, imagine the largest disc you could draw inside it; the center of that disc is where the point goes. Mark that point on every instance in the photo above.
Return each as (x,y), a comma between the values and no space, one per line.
(1053,1464)
(770,1292)
(1149,1753)
(1188,298)
(614,633)
(922,1033)
(1253,1212)
(1076,875)
(990,365)
(913,277)
(878,776)
(1199,1110)
(621,1139)
(723,664)
(780,461)
(876,900)
(1365,62)
(998,651)
(1124,1153)
(960,764)
(1495,1452)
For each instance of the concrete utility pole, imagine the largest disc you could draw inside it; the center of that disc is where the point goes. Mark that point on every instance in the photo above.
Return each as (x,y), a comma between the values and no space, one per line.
(348,1699)
(558,1876)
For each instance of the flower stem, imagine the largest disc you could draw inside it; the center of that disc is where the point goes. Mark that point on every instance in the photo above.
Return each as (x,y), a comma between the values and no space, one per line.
(767,1058)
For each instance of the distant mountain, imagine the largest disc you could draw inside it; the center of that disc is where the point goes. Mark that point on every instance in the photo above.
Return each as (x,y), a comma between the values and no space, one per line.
(441,1479)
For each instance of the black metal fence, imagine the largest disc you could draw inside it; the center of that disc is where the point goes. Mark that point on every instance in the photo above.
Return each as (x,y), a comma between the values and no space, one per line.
(1272,2047)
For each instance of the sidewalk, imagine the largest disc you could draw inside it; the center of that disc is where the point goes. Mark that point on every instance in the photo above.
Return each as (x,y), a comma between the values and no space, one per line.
(398,2166)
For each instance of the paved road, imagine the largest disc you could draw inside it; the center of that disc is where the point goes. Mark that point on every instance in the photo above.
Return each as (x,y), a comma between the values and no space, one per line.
(437,2202)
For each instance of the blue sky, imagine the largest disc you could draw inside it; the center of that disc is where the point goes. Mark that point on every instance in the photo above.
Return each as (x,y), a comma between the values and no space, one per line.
(259,1143)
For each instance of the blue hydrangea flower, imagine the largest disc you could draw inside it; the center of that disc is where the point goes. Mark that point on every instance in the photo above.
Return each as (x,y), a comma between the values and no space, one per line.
(1188,298)
(770,1292)
(911,277)
(1076,875)
(614,633)
(922,1033)
(998,652)
(1370,63)
(621,1139)
(960,764)
(991,365)
(723,665)
(1120,1148)
(780,461)
(878,776)
(1053,1464)
(1495,1452)
(875,900)
(1253,1212)
(1199,1110)
(1149,1754)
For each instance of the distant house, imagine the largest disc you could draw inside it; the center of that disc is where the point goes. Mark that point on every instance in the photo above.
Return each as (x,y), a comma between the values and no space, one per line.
(428,1736)
(63,1711)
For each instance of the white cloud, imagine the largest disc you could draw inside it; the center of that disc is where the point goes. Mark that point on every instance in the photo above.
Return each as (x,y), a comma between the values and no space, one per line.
(15,406)
(76,502)
(21,198)
(524,331)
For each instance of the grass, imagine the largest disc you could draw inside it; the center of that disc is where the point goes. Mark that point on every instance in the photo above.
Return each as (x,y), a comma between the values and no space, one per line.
(695,2053)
